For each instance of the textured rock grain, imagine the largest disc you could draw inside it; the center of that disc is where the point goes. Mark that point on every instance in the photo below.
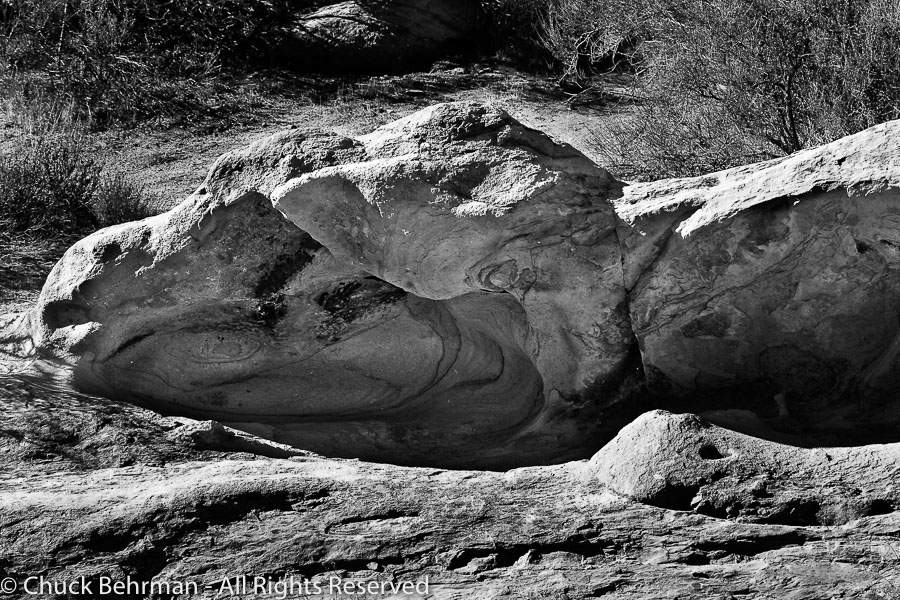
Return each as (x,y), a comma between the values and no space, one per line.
(160,509)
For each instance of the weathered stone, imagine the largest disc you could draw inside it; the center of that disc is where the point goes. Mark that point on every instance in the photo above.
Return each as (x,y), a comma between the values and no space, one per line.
(685,463)
(458,286)
(445,290)
(774,286)
(378,35)
(173,514)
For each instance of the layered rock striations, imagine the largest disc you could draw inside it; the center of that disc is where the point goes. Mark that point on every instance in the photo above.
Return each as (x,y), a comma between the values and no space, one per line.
(444,290)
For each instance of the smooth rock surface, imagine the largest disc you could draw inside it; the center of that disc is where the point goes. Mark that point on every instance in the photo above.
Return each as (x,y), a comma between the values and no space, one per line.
(378,35)
(445,290)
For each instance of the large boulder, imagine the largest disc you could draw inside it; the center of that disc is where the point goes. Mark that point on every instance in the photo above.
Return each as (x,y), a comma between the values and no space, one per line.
(378,35)
(454,289)
(774,286)
(445,290)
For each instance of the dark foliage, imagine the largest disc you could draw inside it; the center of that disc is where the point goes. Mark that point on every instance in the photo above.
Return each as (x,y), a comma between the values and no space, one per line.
(127,60)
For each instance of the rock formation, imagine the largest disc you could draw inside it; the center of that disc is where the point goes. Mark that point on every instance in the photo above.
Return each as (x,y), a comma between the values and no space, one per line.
(377,35)
(457,290)
(774,287)
(120,493)
(446,290)
(684,463)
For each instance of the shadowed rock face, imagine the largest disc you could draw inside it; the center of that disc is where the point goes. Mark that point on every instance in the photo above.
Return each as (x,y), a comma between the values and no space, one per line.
(446,290)
(774,286)
(455,290)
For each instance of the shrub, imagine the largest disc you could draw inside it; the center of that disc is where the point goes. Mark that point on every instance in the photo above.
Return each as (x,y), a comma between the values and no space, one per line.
(585,34)
(47,185)
(672,138)
(52,184)
(119,199)
(757,78)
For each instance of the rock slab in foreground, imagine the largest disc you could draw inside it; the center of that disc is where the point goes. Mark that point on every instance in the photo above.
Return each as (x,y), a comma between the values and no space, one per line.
(157,509)
(682,462)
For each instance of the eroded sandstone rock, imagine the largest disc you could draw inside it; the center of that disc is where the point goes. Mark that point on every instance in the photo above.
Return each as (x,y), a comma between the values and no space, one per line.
(455,289)
(444,290)
(378,35)
(339,321)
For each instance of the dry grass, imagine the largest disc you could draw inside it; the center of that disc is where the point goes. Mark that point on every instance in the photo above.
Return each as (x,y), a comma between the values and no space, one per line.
(54,188)
(52,182)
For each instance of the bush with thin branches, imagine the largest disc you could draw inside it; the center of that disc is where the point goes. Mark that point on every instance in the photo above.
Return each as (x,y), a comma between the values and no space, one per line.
(720,82)
(51,183)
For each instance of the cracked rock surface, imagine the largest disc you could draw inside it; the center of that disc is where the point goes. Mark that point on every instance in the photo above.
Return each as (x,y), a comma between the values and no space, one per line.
(126,494)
